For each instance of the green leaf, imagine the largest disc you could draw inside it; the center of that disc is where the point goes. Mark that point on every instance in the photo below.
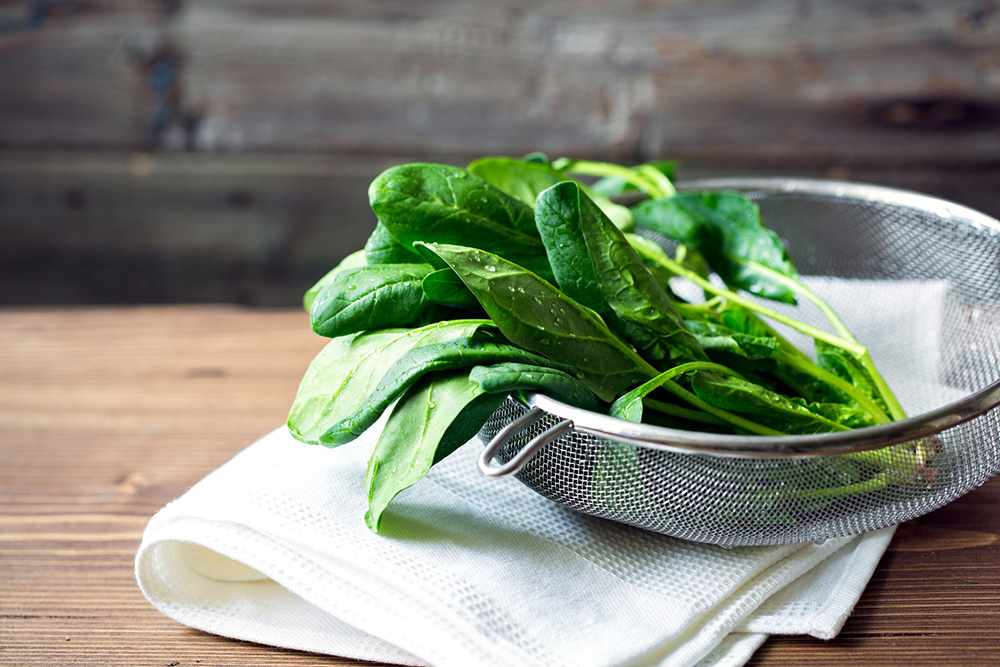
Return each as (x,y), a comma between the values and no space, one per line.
(433,418)
(381,248)
(442,204)
(373,297)
(444,287)
(595,264)
(356,380)
(509,377)
(354,260)
(535,315)
(716,337)
(525,180)
(848,368)
(726,229)
(335,401)
(776,410)
(518,178)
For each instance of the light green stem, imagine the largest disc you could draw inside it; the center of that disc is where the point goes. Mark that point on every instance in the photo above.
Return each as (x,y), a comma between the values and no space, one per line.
(684,413)
(652,189)
(665,380)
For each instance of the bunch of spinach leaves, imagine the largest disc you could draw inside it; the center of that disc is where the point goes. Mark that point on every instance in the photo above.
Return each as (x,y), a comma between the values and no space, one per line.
(525,275)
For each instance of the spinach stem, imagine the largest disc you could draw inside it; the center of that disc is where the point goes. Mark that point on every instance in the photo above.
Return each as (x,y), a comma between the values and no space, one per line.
(665,380)
(654,190)
(685,413)
(804,291)
(861,354)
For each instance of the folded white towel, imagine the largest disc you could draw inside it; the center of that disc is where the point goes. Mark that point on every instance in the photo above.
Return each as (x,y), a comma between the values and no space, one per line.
(273,548)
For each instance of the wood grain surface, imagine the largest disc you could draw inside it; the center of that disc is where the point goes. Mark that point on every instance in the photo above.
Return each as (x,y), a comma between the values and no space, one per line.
(107,414)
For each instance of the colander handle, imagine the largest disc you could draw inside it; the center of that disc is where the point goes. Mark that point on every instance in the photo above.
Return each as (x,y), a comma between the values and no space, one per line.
(529,450)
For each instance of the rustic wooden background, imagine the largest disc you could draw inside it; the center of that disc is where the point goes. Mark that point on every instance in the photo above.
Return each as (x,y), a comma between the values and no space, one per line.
(219,150)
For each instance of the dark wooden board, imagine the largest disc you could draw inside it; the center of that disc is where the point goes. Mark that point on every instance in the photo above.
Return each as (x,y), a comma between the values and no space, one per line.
(107,414)
(852,81)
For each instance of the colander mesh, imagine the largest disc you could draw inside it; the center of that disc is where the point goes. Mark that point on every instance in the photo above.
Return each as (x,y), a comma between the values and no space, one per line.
(736,500)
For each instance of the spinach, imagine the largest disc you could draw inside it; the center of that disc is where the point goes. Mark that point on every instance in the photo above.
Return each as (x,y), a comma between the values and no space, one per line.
(534,315)
(373,297)
(510,377)
(382,248)
(445,287)
(726,229)
(442,204)
(354,260)
(616,185)
(432,419)
(594,263)
(525,180)
(569,305)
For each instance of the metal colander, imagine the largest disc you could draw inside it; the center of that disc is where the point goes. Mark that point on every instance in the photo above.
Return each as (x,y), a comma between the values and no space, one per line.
(736,490)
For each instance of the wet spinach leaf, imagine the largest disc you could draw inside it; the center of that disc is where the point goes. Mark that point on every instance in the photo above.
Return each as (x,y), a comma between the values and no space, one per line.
(510,377)
(432,419)
(594,263)
(374,297)
(534,315)
(443,204)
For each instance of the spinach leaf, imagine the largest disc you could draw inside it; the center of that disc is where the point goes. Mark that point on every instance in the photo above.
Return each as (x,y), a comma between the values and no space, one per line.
(776,410)
(381,248)
(352,261)
(717,337)
(525,180)
(432,419)
(334,403)
(594,263)
(444,287)
(510,377)
(848,368)
(518,178)
(373,297)
(438,203)
(534,315)
(726,229)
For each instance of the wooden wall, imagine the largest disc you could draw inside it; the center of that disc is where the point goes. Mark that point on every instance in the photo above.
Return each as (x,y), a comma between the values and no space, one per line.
(219,150)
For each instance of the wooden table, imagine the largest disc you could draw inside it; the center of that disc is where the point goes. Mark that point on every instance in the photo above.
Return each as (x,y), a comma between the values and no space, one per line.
(106,415)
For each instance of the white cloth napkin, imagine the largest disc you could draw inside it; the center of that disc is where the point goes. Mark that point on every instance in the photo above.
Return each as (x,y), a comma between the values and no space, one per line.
(272,548)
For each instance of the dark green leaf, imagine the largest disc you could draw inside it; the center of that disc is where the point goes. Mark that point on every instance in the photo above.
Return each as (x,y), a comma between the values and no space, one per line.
(725,228)
(335,401)
(716,337)
(442,204)
(595,264)
(845,366)
(535,315)
(518,178)
(352,261)
(381,248)
(526,180)
(509,377)
(444,287)
(767,407)
(432,419)
(373,297)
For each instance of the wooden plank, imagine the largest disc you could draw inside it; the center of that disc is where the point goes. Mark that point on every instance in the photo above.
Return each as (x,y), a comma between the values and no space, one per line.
(86,227)
(106,415)
(806,82)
